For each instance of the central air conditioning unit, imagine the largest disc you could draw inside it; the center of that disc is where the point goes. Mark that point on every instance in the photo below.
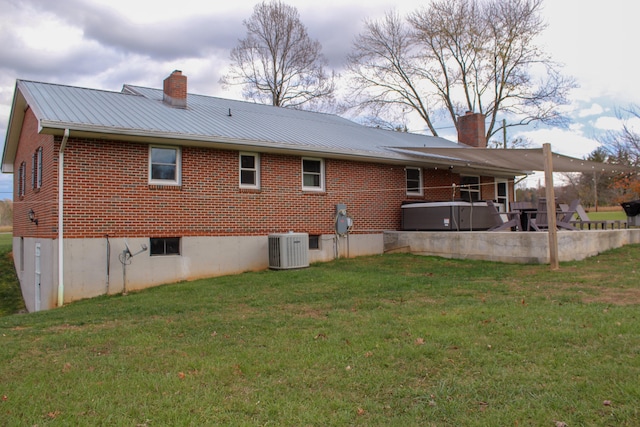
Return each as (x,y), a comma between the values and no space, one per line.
(288,250)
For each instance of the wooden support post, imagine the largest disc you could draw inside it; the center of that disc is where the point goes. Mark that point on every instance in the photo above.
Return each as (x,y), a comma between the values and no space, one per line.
(551,206)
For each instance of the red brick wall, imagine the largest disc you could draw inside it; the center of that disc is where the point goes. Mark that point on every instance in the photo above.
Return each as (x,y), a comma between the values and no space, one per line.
(438,184)
(43,201)
(107,192)
(487,188)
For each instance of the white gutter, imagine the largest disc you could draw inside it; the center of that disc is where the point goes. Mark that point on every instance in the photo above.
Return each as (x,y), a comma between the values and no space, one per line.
(60,218)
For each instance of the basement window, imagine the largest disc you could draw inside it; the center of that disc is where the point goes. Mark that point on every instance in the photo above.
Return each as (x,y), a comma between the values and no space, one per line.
(314,241)
(164,246)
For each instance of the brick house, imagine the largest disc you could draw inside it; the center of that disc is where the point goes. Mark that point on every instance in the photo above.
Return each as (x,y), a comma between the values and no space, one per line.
(201,182)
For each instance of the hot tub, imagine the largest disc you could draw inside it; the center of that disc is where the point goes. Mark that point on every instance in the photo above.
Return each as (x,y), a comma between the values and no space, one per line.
(447,216)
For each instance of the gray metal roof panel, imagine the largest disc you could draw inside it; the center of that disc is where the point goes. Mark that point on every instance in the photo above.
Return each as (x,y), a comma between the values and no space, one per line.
(141,109)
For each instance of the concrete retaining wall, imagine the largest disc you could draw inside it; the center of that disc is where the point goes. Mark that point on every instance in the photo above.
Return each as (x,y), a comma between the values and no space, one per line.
(511,247)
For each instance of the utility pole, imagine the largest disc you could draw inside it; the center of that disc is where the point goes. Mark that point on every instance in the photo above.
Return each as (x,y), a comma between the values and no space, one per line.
(595,189)
(504,133)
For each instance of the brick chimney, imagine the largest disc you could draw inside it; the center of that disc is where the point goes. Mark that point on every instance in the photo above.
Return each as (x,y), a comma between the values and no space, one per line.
(471,130)
(175,90)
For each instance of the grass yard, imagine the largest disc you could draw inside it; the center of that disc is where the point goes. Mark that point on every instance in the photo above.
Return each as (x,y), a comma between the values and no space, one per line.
(10,294)
(393,340)
(6,241)
(607,215)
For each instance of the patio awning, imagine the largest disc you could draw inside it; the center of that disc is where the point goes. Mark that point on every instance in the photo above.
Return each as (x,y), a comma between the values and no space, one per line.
(526,160)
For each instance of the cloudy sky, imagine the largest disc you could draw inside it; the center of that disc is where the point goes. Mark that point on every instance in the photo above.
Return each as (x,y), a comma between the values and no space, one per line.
(107,43)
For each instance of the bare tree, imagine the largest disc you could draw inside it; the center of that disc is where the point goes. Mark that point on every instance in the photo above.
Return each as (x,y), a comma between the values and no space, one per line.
(385,72)
(623,146)
(6,212)
(277,62)
(458,56)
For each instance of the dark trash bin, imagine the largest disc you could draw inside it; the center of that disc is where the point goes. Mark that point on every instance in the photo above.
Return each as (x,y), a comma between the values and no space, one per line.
(632,209)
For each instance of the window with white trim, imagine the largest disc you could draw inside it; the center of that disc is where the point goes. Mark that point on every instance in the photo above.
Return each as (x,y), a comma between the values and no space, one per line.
(164,165)
(470,188)
(312,174)
(414,181)
(249,170)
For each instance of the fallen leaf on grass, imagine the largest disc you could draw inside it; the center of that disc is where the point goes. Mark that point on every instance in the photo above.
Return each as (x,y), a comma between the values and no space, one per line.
(53,414)
(560,424)
(419,341)
(181,375)
(361,411)
(4,397)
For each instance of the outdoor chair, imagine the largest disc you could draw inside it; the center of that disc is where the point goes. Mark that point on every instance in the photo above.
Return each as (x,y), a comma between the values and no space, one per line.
(583,220)
(512,222)
(563,218)
(567,216)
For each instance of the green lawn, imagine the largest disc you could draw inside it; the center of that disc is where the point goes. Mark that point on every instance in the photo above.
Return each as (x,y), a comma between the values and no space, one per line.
(393,340)
(10,294)
(612,215)
(5,241)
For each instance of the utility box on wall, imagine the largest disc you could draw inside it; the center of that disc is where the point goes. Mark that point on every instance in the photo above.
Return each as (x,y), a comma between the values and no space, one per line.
(288,250)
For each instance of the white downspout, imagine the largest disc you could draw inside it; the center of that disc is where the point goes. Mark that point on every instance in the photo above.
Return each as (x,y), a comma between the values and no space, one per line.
(60,218)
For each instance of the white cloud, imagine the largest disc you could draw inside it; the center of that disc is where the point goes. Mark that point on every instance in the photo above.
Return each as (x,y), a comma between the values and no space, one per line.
(608,123)
(594,110)
(563,141)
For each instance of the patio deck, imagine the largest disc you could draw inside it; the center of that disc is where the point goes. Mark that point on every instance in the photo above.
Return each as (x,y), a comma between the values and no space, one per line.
(508,246)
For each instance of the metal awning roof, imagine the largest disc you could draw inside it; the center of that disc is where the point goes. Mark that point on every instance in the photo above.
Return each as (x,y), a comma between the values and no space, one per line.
(530,159)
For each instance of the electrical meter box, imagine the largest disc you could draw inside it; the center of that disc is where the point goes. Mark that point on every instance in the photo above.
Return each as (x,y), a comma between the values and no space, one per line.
(343,222)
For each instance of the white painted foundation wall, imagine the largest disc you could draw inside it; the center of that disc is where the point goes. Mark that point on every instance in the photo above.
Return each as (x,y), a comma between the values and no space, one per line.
(92,266)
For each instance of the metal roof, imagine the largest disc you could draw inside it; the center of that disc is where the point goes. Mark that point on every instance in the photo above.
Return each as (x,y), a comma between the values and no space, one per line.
(138,113)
